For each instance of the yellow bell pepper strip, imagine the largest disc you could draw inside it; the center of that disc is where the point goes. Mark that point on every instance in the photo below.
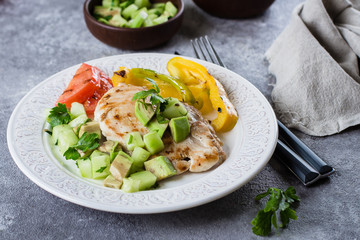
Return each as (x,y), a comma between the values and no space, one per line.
(124,75)
(193,73)
(141,73)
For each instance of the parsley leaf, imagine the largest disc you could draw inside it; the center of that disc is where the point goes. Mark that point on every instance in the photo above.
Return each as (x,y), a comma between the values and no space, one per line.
(100,170)
(86,142)
(59,115)
(155,99)
(279,200)
(71,153)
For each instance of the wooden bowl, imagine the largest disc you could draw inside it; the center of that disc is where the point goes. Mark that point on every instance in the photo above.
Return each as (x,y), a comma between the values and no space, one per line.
(133,38)
(234,8)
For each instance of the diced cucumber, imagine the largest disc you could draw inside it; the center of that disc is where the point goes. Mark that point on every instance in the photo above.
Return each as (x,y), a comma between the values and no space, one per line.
(160,20)
(160,6)
(161,167)
(180,128)
(126,13)
(146,178)
(120,167)
(138,20)
(117,21)
(66,139)
(130,185)
(100,163)
(134,14)
(103,20)
(77,109)
(111,182)
(139,155)
(85,167)
(110,3)
(155,11)
(148,22)
(126,4)
(57,130)
(133,140)
(143,112)
(78,121)
(153,142)
(155,126)
(90,127)
(142,3)
(170,8)
(174,108)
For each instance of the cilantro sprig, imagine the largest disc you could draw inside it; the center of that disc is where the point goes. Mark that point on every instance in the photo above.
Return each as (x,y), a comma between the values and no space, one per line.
(278,204)
(59,115)
(155,99)
(86,142)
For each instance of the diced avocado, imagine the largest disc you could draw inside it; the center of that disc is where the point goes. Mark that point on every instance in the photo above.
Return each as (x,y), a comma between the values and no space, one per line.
(77,109)
(160,167)
(66,139)
(139,155)
(85,167)
(146,178)
(130,185)
(111,182)
(110,3)
(155,126)
(103,20)
(180,128)
(160,20)
(174,108)
(57,130)
(120,167)
(90,127)
(126,13)
(153,142)
(144,112)
(142,3)
(170,8)
(109,146)
(133,140)
(76,122)
(117,21)
(100,163)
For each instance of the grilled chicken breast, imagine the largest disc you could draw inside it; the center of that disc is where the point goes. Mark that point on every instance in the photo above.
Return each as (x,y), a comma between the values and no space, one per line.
(202,150)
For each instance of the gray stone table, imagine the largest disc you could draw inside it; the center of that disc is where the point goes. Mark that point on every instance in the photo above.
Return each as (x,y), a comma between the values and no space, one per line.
(40,38)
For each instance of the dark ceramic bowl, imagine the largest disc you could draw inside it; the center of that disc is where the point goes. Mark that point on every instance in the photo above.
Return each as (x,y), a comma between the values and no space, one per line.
(234,8)
(133,38)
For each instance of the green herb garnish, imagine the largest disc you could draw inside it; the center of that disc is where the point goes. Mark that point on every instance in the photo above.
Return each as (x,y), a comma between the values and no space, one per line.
(279,200)
(100,170)
(155,99)
(59,115)
(85,143)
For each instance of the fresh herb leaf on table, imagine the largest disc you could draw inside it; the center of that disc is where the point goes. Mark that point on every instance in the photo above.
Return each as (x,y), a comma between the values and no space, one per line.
(59,115)
(279,200)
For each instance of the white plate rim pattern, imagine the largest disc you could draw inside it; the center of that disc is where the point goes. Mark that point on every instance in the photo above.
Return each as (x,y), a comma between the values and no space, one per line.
(27,144)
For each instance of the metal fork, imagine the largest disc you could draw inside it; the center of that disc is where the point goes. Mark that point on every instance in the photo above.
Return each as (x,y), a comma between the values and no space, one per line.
(301,160)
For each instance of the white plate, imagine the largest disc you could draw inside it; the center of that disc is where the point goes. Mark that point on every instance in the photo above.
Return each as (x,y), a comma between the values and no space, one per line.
(249,146)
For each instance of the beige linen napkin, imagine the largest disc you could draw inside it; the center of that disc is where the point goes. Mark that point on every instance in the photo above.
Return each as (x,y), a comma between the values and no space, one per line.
(315,61)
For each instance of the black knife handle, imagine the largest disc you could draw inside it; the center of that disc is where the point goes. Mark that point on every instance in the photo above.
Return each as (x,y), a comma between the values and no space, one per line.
(304,151)
(302,170)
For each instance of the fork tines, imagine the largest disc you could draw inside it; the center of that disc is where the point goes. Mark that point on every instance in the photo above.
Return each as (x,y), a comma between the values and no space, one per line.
(206,50)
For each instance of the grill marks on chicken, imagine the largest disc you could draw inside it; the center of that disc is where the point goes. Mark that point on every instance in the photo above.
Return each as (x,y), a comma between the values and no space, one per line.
(199,152)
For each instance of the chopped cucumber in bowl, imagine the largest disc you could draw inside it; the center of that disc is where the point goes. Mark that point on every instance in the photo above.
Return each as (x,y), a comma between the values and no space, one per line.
(134,13)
